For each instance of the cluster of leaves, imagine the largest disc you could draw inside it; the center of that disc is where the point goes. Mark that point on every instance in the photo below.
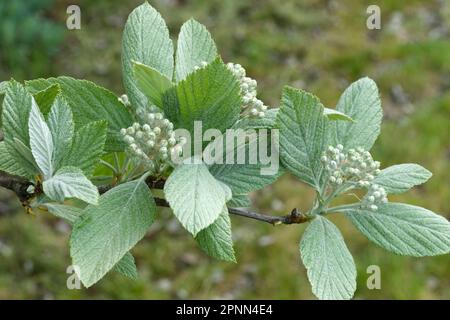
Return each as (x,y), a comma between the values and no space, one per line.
(59,131)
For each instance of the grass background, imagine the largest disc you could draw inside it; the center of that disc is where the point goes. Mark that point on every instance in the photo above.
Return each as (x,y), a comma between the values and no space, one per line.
(320,46)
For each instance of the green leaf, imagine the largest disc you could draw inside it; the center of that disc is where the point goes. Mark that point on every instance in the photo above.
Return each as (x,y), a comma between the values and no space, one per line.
(22,155)
(70,182)
(194,46)
(68,213)
(90,102)
(3,87)
(333,114)
(303,130)
(61,126)
(106,232)
(361,102)
(245,176)
(402,177)
(226,190)
(127,267)
(404,229)
(210,95)
(45,98)
(239,201)
(151,82)
(41,142)
(195,196)
(8,164)
(87,147)
(146,40)
(331,269)
(216,240)
(16,110)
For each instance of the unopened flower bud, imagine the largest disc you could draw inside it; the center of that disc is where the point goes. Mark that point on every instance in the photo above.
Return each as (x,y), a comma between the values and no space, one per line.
(128,139)
(124,99)
(163,143)
(172,141)
(31,189)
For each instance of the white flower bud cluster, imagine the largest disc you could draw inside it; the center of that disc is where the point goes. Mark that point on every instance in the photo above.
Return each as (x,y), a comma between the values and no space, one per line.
(355,166)
(154,142)
(124,99)
(375,196)
(251,104)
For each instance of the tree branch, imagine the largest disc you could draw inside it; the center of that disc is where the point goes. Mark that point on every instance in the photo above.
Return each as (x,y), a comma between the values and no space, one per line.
(16,184)
(295,217)
(20,186)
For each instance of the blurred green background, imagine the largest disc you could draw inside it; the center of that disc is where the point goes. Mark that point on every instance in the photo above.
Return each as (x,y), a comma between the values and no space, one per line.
(318,45)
